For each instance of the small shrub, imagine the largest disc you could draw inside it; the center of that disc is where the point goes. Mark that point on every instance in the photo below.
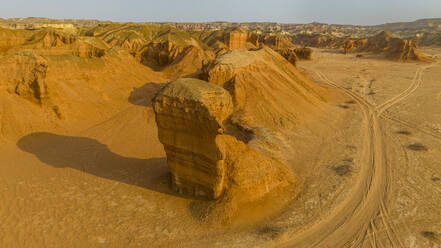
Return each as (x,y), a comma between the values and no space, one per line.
(404,132)
(343,169)
(417,147)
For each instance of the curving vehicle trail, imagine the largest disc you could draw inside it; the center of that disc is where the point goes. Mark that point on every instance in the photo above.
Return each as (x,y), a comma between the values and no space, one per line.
(351,224)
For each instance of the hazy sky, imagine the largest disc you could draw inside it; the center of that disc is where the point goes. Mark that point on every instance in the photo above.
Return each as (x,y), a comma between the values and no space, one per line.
(285,11)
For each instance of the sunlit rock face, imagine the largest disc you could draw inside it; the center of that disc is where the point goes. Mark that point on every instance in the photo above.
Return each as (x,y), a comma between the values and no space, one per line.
(235,40)
(205,157)
(189,114)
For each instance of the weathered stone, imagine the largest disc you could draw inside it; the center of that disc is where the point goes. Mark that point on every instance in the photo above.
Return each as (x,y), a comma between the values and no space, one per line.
(26,76)
(204,160)
(189,114)
(235,40)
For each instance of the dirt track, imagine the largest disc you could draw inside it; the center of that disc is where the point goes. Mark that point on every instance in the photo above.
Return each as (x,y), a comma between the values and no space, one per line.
(352,222)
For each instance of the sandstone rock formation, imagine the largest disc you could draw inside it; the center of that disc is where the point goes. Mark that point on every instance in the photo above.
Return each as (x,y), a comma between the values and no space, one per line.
(55,42)
(429,39)
(158,55)
(174,52)
(267,90)
(284,46)
(303,53)
(52,79)
(11,38)
(276,42)
(190,115)
(173,59)
(204,160)
(25,75)
(319,40)
(384,44)
(390,46)
(235,40)
(289,54)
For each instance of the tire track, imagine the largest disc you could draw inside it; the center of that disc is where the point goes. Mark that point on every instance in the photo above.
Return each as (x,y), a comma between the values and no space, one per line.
(352,221)
(431,133)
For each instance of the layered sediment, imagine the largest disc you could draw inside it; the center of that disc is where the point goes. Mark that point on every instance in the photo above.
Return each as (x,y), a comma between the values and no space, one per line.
(190,115)
(235,40)
(204,160)
(25,75)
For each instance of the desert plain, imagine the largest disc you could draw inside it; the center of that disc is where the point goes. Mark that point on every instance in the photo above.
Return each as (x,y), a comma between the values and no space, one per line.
(338,145)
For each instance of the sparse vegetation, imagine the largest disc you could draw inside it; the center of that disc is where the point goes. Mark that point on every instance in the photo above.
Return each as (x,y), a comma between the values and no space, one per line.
(417,147)
(343,106)
(342,170)
(435,237)
(404,132)
(270,231)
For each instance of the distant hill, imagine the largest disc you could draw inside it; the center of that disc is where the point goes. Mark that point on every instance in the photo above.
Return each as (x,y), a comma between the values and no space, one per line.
(408,30)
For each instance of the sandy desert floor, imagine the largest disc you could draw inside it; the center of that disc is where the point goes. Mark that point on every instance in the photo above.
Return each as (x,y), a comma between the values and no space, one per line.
(371,166)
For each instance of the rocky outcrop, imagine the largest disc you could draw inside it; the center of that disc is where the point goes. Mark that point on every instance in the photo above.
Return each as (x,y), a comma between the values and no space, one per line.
(319,41)
(388,45)
(276,42)
(190,115)
(303,53)
(289,54)
(429,39)
(174,60)
(159,55)
(89,48)
(384,44)
(11,38)
(235,40)
(25,75)
(254,39)
(48,38)
(55,42)
(267,90)
(204,160)
(284,46)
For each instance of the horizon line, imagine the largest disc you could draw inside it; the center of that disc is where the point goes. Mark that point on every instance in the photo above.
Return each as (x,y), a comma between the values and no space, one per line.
(239,22)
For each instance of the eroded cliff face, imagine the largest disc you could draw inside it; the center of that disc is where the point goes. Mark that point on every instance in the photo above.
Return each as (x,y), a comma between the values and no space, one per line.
(205,161)
(267,90)
(190,115)
(10,38)
(159,55)
(24,75)
(284,46)
(235,40)
(55,42)
(388,45)
(174,60)
(319,40)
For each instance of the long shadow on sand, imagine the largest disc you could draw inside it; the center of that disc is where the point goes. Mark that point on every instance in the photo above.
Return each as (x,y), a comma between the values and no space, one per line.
(90,156)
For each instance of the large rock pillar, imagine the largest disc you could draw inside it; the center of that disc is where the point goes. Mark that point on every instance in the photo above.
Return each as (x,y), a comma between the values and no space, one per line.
(189,115)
